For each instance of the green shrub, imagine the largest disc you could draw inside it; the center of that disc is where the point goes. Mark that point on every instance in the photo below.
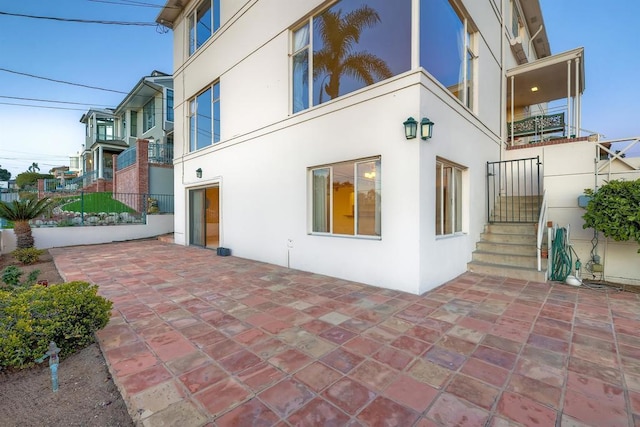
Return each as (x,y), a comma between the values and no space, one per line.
(615,210)
(68,314)
(27,255)
(11,276)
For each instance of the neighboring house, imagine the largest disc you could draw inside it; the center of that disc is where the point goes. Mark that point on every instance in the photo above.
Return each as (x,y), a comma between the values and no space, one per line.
(294,142)
(146,113)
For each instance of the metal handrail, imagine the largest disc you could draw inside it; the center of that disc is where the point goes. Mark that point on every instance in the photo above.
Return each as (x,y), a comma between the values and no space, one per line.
(542,219)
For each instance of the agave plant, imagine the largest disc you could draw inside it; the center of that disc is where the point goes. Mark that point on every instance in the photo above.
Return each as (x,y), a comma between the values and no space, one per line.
(20,212)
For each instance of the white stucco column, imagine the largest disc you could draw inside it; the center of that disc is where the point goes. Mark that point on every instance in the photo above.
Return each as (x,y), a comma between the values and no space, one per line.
(569,117)
(100,162)
(577,98)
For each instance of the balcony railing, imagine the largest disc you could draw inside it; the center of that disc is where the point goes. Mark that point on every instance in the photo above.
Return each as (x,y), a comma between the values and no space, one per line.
(160,153)
(537,128)
(127,157)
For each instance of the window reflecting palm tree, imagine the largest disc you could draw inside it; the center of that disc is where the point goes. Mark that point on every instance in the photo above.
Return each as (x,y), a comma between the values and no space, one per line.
(339,34)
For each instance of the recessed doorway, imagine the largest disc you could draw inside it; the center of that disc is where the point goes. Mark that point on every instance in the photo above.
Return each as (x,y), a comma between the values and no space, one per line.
(204,208)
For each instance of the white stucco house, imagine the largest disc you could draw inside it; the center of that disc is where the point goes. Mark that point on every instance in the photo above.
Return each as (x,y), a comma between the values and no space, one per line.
(352,138)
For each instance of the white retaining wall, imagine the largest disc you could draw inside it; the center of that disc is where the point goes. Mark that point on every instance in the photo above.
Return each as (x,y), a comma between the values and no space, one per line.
(55,237)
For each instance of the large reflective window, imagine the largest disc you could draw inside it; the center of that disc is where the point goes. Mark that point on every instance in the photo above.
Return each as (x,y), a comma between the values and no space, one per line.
(346,198)
(446,48)
(203,22)
(355,43)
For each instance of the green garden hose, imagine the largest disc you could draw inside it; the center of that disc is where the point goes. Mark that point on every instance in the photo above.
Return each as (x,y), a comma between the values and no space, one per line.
(562,261)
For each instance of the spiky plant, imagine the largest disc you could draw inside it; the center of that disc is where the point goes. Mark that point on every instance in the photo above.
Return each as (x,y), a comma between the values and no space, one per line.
(20,212)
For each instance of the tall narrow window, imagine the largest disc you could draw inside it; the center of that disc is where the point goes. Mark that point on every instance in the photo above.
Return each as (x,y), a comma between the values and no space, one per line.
(448,198)
(346,198)
(148,115)
(300,69)
(204,118)
(169,105)
(203,22)
(133,123)
(447,48)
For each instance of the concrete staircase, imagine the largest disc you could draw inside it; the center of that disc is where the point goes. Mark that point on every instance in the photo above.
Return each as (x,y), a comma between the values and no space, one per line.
(508,249)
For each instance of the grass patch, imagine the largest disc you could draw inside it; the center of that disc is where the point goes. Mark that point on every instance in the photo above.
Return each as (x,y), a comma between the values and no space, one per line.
(96,202)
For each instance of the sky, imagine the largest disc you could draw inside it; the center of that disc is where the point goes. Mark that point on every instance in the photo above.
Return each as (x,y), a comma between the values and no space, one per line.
(115,57)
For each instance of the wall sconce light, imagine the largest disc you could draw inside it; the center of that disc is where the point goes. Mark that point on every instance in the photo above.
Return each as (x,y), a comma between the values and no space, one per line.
(199,172)
(410,128)
(426,128)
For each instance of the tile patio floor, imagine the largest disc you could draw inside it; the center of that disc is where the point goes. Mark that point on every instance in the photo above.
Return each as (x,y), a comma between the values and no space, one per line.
(197,339)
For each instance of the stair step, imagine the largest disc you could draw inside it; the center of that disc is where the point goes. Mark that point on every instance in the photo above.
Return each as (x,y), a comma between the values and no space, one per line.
(527,228)
(510,260)
(530,274)
(508,238)
(528,248)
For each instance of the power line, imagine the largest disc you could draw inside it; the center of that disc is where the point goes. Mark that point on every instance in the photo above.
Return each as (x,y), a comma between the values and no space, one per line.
(47,100)
(134,3)
(42,106)
(82,21)
(61,81)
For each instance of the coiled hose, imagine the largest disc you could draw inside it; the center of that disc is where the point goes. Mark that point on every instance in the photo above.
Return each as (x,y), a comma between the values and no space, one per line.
(562,260)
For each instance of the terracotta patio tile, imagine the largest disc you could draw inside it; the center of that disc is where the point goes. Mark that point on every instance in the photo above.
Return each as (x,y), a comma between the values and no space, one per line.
(445,358)
(348,395)
(502,343)
(525,410)
(429,373)
(456,345)
(207,339)
(451,411)
(251,337)
(290,360)
(260,376)
(486,372)
(318,412)
(337,335)
(251,413)
(547,343)
(385,412)
(537,390)
(424,334)
(188,362)
(286,397)
(362,346)
(593,410)
(269,348)
(222,349)
(410,345)
(392,357)
(239,361)
(474,324)
(316,326)
(495,356)
(473,390)
(551,358)
(466,334)
(595,388)
(342,360)
(411,393)
(590,369)
(202,377)
(317,376)
(356,325)
(142,380)
(540,371)
(374,375)
(222,396)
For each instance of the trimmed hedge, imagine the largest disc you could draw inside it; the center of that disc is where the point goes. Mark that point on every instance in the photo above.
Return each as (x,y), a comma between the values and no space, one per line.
(68,313)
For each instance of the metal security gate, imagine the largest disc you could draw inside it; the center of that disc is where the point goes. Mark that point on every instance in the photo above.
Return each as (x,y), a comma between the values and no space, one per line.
(514,191)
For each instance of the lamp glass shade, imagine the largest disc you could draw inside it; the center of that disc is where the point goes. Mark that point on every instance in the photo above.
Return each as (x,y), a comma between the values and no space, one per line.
(199,173)
(426,128)
(410,128)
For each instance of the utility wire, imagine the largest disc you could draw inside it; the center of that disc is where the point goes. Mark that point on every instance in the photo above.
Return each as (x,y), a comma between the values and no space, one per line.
(82,21)
(49,100)
(134,3)
(43,106)
(61,81)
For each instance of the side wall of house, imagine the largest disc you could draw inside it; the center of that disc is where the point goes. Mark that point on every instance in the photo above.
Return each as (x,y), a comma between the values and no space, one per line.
(568,170)
(263,160)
